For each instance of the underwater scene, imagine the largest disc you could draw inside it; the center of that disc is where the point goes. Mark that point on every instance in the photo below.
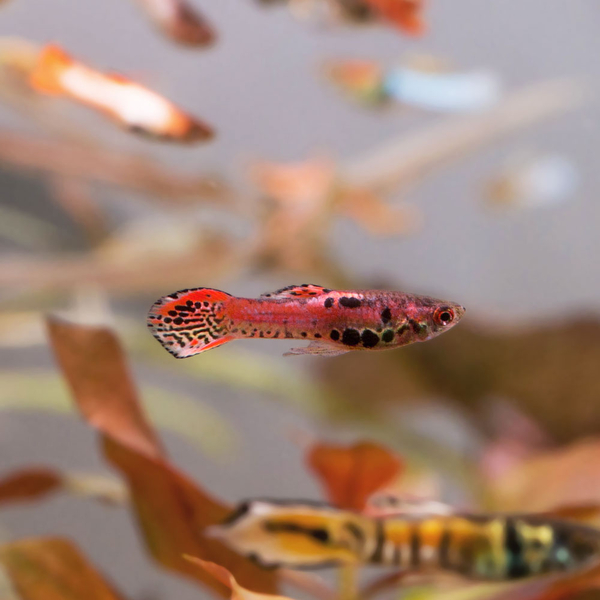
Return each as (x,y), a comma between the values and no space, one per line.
(299,300)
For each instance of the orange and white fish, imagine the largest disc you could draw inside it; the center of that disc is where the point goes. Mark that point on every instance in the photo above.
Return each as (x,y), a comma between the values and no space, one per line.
(191,321)
(179,21)
(131,105)
(483,547)
(407,15)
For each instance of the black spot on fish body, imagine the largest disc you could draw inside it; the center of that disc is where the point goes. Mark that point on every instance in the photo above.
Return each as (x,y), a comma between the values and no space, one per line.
(415,548)
(403,328)
(303,334)
(182,307)
(369,338)
(322,535)
(334,335)
(517,566)
(444,549)
(190,303)
(386,315)
(178,321)
(173,313)
(168,320)
(328,303)
(349,302)
(206,304)
(351,337)
(387,336)
(377,555)
(326,290)
(318,335)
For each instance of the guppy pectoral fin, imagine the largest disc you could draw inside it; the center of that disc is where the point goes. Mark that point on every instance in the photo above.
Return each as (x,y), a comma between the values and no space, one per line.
(318,348)
(293,292)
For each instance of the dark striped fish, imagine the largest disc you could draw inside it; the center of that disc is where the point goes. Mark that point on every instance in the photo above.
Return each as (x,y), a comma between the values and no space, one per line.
(486,547)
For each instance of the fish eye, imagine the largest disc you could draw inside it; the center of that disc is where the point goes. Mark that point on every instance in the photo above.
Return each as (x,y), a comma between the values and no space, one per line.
(443,316)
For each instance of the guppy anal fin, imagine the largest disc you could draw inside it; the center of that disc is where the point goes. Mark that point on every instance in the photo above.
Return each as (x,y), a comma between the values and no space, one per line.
(293,292)
(317,348)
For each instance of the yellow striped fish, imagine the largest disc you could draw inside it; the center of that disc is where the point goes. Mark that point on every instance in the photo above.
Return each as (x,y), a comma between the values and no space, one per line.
(486,547)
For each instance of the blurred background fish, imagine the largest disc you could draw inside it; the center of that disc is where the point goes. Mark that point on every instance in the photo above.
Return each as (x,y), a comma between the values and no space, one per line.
(180,21)
(405,15)
(427,89)
(131,105)
(529,181)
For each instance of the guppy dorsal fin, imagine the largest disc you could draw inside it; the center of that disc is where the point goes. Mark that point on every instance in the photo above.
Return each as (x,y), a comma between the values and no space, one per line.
(293,292)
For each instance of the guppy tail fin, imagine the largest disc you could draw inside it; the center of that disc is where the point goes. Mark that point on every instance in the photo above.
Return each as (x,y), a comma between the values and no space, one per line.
(190,321)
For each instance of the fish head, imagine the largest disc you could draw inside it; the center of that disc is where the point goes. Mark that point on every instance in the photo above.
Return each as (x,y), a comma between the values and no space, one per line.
(301,535)
(428,317)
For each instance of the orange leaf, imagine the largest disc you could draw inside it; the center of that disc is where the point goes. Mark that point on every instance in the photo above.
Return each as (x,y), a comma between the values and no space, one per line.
(95,368)
(52,569)
(171,510)
(351,474)
(227,579)
(28,484)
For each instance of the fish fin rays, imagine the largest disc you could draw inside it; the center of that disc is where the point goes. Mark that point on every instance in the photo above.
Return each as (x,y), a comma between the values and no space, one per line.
(190,321)
(317,349)
(293,292)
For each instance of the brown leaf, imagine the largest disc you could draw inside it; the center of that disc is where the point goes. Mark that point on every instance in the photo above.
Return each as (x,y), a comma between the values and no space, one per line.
(171,510)
(29,484)
(52,569)
(238,592)
(95,368)
(172,513)
(351,474)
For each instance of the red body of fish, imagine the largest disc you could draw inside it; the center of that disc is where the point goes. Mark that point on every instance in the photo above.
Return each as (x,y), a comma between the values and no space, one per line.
(192,321)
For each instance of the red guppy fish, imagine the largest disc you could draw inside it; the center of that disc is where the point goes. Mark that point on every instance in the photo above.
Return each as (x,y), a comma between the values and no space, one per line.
(192,321)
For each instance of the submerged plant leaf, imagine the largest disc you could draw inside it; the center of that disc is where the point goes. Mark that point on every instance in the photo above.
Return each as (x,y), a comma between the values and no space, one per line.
(35,483)
(93,363)
(171,510)
(226,578)
(351,474)
(29,484)
(52,569)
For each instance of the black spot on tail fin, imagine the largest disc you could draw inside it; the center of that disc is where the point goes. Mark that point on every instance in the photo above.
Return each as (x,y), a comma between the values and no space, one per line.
(190,321)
